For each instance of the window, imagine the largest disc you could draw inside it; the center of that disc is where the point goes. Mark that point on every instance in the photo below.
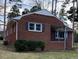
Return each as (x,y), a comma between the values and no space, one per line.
(37,27)
(31,26)
(59,35)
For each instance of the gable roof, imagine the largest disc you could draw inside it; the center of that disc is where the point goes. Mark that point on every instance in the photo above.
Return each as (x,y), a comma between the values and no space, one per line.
(63,29)
(41,12)
(44,12)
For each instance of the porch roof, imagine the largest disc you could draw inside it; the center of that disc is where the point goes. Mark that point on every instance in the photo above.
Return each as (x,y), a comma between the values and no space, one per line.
(61,28)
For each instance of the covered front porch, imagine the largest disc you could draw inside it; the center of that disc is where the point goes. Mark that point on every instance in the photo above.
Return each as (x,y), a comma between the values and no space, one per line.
(61,37)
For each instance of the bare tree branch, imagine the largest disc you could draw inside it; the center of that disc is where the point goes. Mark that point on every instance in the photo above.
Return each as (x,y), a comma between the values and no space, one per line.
(42,3)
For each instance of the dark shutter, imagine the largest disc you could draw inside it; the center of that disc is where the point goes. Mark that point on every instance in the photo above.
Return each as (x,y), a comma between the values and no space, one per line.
(26,26)
(43,27)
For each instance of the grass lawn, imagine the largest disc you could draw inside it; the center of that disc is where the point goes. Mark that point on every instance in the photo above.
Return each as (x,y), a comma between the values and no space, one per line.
(6,53)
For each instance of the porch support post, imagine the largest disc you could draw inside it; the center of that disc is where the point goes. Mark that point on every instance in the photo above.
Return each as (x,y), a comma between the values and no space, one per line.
(65,38)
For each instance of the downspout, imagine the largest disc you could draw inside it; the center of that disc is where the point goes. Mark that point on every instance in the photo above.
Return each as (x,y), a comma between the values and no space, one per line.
(16,30)
(65,38)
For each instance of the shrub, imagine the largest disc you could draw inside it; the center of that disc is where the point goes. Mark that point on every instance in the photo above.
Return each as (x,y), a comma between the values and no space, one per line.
(23,45)
(41,45)
(20,45)
(32,45)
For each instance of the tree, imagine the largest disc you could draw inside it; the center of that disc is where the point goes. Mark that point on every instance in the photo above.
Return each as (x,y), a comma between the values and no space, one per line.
(25,11)
(35,8)
(62,11)
(18,1)
(70,12)
(14,12)
(15,1)
(42,3)
(66,1)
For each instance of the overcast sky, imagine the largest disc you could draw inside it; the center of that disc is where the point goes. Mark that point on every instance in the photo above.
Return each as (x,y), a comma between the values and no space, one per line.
(29,4)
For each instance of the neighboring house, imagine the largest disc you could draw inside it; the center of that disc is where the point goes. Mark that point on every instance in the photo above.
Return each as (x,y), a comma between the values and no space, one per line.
(40,25)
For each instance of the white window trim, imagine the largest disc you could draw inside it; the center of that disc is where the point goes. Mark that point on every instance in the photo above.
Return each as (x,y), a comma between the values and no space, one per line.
(34,27)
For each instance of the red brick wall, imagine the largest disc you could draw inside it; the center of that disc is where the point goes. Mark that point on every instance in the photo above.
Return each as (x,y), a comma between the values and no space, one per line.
(43,36)
(69,40)
(11,37)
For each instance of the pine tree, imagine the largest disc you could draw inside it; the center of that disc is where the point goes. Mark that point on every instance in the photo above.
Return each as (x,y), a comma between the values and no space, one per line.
(35,8)
(25,11)
(62,11)
(18,1)
(13,12)
(70,12)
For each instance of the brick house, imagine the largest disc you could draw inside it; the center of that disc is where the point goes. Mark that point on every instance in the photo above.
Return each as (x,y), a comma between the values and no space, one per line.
(40,25)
